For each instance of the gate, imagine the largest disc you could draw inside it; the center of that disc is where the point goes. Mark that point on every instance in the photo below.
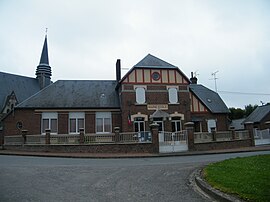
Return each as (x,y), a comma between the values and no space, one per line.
(173,141)
(262,136)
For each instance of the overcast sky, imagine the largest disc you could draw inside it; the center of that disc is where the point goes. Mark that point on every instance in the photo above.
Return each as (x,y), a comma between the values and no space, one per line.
(85,38)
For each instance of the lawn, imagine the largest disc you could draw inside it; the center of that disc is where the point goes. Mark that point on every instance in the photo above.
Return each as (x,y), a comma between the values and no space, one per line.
(248,177)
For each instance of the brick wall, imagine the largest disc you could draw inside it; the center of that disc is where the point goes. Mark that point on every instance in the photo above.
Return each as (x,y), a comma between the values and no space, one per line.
(222,145)
(155,94)
(30,121)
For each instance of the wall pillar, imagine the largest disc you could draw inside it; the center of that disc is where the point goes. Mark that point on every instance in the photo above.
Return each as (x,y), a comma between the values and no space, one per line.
(232,129)
(1,135)
(189,126)
(117,134)
(81,135)
(155,137)
(214,134)
(24,133)
(47,136)
(250,128)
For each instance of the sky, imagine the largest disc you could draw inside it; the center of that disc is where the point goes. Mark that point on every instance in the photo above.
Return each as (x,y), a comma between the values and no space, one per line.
(86,37)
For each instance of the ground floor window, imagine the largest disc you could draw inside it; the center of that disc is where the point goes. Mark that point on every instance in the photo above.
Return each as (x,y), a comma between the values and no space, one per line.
(160,123)
(139,124)
(76,121)
(176,124)
(49,121)
(211,123)
(103,122)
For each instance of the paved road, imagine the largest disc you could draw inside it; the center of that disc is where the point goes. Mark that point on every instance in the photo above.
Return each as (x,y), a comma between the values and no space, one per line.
(136,179)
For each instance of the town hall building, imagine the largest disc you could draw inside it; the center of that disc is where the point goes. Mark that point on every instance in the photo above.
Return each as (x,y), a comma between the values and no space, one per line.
(153,90)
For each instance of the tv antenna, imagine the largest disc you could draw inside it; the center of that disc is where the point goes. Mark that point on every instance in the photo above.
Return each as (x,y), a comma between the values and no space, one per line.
(214,75)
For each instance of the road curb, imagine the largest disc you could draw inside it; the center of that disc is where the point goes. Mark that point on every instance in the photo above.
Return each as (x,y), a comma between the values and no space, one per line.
(212,192)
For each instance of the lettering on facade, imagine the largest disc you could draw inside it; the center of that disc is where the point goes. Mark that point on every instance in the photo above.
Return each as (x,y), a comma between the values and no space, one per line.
(157,107)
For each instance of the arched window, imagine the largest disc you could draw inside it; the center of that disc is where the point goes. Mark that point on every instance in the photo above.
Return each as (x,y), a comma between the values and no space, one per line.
(173,97)
(140,95)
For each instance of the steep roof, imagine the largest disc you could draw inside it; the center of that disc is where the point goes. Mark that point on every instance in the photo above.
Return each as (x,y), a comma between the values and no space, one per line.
(44,67)
(22,86)
(209,98)
(258,114)
(151,61)
(75,94)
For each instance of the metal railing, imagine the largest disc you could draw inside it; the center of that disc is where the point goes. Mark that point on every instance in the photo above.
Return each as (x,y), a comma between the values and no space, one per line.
(242,134)
(143,136)
(132,137)
(99,138)
(170,137)
(200,137)
(224,135)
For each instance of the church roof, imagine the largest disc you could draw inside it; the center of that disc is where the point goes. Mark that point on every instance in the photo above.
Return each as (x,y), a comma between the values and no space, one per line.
(209,98)
(44,67)
(151,61)
(22,86)
(75,94)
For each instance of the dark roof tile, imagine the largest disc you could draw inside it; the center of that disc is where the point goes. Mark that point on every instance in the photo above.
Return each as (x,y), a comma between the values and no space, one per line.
(75,94)
(209,98)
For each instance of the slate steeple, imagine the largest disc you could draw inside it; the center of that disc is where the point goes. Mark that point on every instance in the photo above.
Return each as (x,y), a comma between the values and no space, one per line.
(43,71)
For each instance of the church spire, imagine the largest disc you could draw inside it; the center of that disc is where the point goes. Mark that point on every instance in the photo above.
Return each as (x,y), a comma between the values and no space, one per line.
(43,71)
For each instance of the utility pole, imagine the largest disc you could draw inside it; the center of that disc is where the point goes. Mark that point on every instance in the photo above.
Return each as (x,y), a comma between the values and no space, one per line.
(215,78)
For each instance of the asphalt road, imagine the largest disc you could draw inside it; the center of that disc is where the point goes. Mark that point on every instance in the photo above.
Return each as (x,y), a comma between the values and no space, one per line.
(134,179)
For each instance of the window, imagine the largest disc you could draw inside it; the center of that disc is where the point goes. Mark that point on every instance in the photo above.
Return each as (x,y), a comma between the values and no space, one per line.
(176,124)
(139,124)
(173,96)
(140,95)
(49,121)
(76,121)
(103,122)
(211,123)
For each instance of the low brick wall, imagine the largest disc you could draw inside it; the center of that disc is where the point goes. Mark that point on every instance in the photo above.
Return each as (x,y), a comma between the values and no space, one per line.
(222,145)
(95,148)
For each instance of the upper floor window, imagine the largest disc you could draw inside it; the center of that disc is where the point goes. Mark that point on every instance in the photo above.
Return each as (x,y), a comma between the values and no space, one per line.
(140,95)
(103,122)
(173,95)
(49,121)
(76,121)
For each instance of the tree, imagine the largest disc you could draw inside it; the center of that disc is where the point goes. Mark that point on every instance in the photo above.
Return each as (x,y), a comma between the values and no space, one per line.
(236,113)
(249,109)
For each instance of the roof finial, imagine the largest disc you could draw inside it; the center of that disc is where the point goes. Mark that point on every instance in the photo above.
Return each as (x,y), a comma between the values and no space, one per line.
(46,32)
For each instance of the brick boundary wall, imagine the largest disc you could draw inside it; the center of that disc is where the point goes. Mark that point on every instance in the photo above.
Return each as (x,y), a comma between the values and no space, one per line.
(206,146)
(95,148)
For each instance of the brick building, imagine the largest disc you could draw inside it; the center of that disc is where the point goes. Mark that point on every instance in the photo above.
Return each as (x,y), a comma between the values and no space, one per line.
(152,91)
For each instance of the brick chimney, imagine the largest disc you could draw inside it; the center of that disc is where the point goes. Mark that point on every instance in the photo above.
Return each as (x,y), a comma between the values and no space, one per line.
(118,70)
(193,79)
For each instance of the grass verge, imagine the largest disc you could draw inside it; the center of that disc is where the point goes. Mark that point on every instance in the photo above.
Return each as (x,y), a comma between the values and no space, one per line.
(248,177)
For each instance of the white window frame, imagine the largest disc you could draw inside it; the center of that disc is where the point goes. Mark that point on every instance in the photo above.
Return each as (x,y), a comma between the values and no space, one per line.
(103,116)
(211,123)
(175,121)
(50,116)
(140,94)
(173,95)
(76,116)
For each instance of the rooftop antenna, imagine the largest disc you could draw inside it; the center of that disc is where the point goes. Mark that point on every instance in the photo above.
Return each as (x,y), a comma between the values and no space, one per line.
(196,73)
(215,78)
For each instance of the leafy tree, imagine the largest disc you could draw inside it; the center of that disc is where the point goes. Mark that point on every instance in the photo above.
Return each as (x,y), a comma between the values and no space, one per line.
(249,109)
(236,113)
